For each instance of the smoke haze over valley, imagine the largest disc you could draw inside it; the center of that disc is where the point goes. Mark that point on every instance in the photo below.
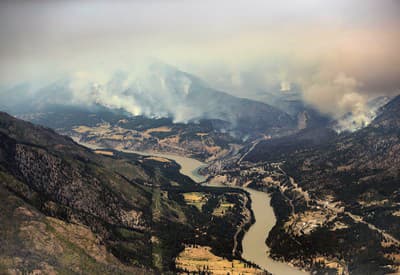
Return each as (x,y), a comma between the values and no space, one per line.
(334,56)
(200,137)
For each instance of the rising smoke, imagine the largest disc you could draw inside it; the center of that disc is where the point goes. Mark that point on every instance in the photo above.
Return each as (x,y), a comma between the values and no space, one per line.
(335,55)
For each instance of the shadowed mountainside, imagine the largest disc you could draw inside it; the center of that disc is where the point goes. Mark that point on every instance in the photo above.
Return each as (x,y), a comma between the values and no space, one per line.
(66,209)
(355,177)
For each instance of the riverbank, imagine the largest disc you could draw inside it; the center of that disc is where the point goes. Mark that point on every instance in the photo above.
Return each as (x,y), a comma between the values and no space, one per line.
(253,244)
(254,241)
(189,166)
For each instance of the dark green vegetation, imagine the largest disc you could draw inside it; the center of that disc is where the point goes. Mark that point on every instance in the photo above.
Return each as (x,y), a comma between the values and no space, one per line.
(359,171)
(356,246)
(66,209)
(213,229)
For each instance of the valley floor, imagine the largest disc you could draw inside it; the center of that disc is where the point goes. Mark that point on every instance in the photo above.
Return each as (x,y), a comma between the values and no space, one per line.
(303,217)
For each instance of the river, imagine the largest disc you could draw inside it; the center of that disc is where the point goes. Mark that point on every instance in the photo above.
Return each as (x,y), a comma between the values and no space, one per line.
(189,166)
(254,247)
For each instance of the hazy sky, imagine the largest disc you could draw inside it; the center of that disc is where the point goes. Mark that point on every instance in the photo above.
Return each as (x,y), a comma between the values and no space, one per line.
(338,52)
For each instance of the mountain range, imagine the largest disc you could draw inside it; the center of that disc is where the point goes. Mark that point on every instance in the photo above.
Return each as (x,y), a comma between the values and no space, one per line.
(161,91)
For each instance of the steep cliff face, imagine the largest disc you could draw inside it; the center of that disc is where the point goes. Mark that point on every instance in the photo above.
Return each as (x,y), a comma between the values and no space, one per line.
(34,243)
(75,188)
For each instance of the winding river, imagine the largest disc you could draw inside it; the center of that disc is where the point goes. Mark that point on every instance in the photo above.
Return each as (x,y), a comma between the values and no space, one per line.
(254,246)
(253,243)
